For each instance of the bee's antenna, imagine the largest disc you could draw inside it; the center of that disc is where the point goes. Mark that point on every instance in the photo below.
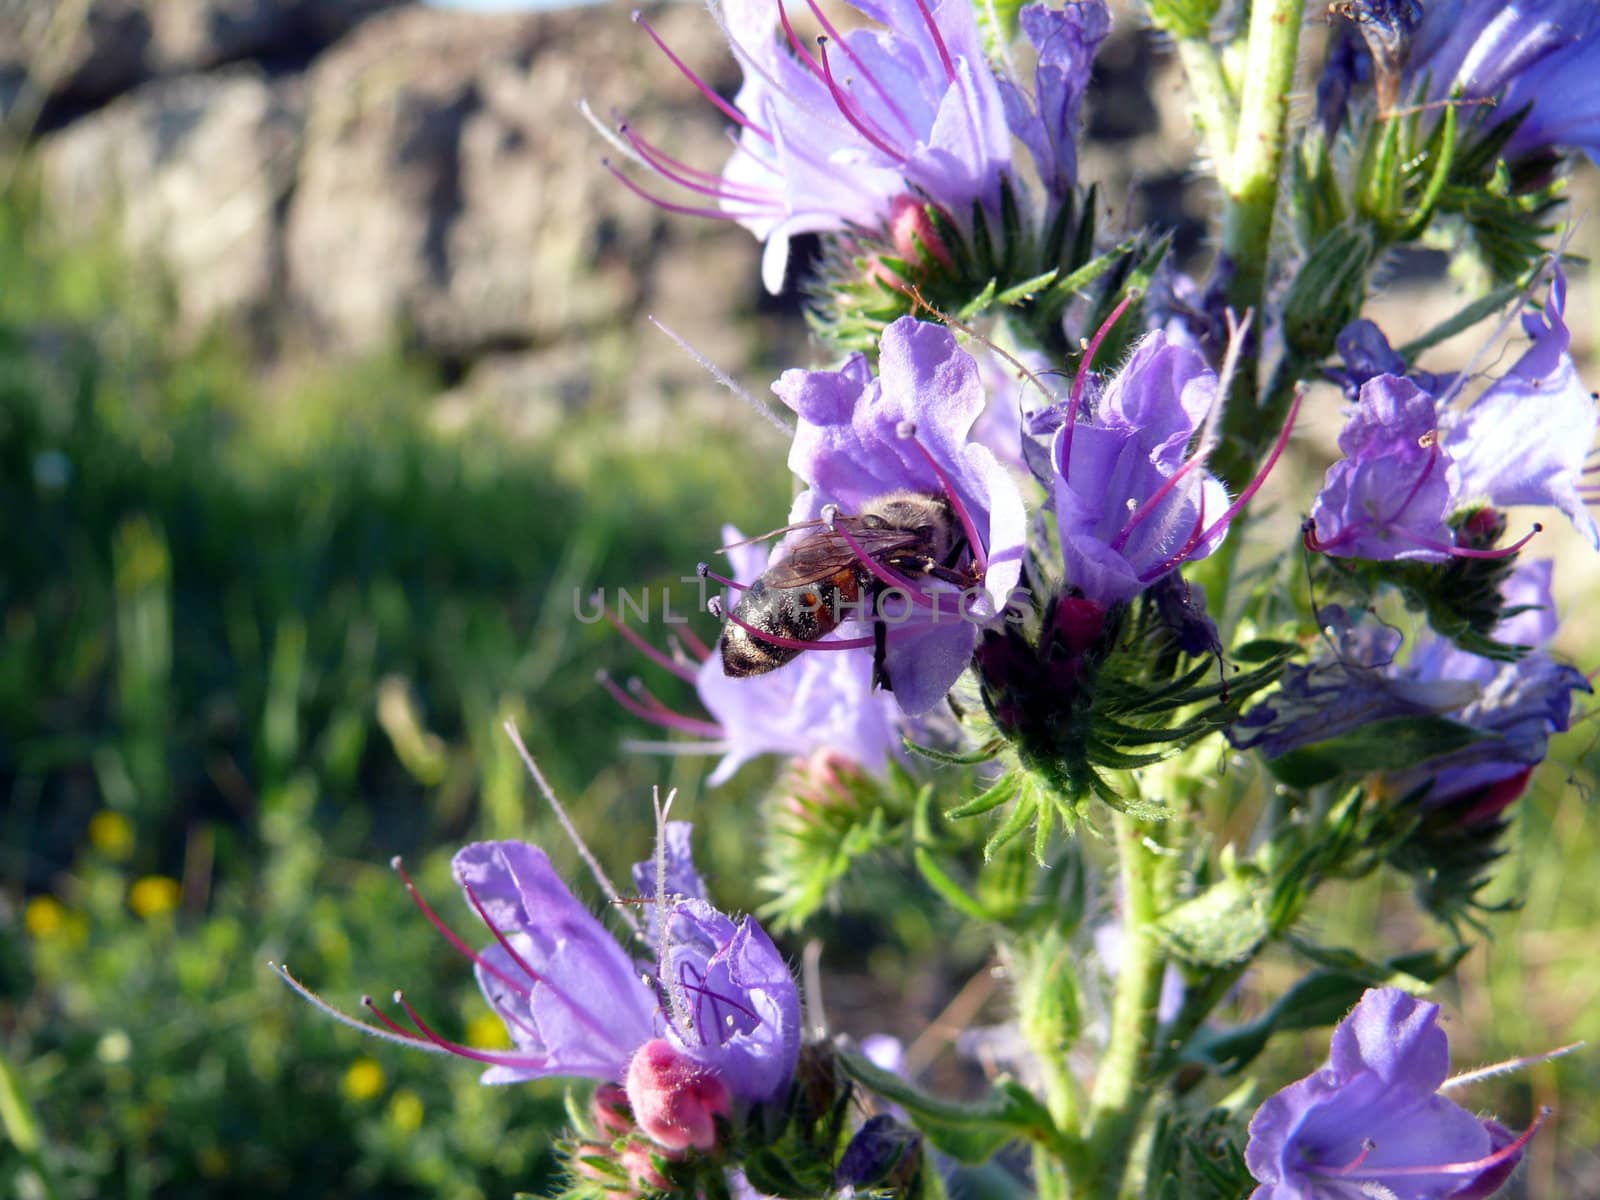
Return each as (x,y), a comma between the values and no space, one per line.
(920,301)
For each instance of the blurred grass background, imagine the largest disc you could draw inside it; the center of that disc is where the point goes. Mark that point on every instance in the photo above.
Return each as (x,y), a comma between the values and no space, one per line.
(259,635)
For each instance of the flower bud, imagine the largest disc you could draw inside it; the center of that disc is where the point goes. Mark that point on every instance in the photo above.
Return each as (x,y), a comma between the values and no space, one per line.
(675,1099)
(608,1109)
(915,239)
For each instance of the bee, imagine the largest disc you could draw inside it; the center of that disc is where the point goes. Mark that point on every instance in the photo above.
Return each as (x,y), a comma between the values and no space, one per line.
(822,580)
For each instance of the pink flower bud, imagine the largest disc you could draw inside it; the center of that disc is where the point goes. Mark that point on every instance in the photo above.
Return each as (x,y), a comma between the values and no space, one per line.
(675,1099)
(914,236)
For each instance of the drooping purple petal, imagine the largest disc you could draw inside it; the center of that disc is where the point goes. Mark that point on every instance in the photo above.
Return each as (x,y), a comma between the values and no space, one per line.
(565,989)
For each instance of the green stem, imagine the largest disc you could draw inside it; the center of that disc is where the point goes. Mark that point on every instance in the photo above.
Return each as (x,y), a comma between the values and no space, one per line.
(1124,1083)
(1250,175)
(1250,178)
(1216,111)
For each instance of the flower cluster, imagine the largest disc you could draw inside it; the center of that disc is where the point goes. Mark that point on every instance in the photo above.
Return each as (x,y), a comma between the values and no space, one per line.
(1023,569)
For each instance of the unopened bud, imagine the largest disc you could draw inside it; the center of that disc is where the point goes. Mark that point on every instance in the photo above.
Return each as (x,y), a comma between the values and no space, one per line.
(914,236)
(608,1109)
(675,1099)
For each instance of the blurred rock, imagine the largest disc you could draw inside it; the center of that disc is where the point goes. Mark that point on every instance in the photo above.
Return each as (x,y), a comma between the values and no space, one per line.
(449,186)
(83,53)
(195,169)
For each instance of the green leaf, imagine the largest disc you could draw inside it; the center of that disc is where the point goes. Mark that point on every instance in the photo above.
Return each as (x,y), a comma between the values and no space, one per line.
(1382,746)
(1017,293)
(1224,924)
(971,1132)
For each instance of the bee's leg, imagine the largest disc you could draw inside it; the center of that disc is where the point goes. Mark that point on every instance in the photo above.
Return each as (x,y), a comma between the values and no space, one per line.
(954,556)
(880,659)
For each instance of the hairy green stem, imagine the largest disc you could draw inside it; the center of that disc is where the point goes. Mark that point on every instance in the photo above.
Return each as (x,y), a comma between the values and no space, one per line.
(1250,178)
(1216,111)
(1124,1083)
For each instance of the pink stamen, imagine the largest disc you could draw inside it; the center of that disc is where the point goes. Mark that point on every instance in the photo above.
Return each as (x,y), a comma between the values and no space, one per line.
(938,40)
(687,210)
(696,646)
(705,572)
(450,935)
(634,639)
(1143,512)
(1466,552)
(1474,1167)
(728,110)
(800,643)
(494,1058)
(883,93)
(980,558)
(1316,545)
(691,178)
(847,107)
(794,40)
(1367,1147)
(1255,484)
(1076,396)
(665,718)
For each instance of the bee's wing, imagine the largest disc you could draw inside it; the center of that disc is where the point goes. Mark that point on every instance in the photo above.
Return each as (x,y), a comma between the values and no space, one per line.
(825,554)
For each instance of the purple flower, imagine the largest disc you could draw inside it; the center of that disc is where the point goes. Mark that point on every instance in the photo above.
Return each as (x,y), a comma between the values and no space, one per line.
(1413,461)
(1529,437)
(1372,1122)
(1354,686)
(1538,56)
(1390,495)
(1516,705)
(1066,40)
(861,438)
(715,1019)
(1132,502)
(832,136)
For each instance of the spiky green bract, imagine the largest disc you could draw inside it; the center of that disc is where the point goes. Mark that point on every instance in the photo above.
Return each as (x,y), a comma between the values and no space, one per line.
(865,281)
(1096,690)
(791,1149)
(1198,1157)
(1401,172)
(824,817)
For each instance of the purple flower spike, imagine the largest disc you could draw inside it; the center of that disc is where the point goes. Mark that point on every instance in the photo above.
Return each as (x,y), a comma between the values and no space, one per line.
(1519,55)
(1372,1122)
(834,134)
(909,429)
(1130,506)
(715,1019)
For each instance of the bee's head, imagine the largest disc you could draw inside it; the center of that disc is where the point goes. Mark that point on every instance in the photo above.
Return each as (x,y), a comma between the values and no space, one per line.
(929,518)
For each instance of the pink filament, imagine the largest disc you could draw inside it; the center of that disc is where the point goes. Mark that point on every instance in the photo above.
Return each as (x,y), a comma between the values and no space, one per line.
(728,110)
(681,670)
(847,107)
(938,40)
(1076,396)
(687,210)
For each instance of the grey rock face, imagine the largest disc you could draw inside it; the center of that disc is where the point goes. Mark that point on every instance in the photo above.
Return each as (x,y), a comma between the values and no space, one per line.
(195,170)
(77,54)
(449,185)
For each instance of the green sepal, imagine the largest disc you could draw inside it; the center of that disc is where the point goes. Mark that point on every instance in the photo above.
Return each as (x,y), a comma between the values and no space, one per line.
(968,1132)
(1320,999)
(1389,745)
